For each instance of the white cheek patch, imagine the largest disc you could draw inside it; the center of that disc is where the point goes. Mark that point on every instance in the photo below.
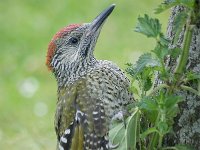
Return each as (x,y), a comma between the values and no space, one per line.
(74,57)
(69,57)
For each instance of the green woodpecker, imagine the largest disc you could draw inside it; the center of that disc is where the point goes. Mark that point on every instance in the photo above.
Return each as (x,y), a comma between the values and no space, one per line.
(90,91)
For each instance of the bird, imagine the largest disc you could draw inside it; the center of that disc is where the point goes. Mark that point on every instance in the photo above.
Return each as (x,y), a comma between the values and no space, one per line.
(90,91)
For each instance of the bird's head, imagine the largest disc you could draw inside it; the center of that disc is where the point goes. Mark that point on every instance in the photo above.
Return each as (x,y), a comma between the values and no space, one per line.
(72,47)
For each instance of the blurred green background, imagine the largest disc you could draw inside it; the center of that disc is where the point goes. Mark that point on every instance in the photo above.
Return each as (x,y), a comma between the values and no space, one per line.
(27,88)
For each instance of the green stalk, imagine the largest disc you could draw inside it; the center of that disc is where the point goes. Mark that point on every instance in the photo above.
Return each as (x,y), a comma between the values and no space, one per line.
(198,87)
(184,56)
(190,89)
(160,141)
(138,132)
(154,141)
(155,137)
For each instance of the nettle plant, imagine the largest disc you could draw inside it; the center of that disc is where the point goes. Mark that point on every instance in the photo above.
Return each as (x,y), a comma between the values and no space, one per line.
(152,116)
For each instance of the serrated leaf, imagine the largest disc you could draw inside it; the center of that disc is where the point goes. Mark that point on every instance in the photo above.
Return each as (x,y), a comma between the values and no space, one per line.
(187,3)
(148,26)
(165,5)
(179,22)
(164,41)
(150,108)
(169,4)
(148,104)
(132,128)
(145,60)
(130,69)
(161,52)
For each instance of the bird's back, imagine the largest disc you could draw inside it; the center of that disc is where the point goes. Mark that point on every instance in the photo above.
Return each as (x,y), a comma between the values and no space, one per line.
(113,85)
(86,107)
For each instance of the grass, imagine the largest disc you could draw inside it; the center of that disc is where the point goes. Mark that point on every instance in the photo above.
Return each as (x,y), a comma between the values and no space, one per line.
(27,89)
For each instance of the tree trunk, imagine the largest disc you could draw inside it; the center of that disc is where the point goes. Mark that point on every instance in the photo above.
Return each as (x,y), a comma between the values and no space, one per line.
(187,123)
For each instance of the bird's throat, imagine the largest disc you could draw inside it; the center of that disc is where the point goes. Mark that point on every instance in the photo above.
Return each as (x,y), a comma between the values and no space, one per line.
(74,71)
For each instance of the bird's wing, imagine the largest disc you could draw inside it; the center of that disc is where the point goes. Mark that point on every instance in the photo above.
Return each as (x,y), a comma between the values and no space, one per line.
(85,108)
(81,122)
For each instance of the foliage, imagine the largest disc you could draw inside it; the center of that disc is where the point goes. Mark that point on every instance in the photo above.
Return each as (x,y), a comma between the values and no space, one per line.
(189,4)
(148,26)
(153,116)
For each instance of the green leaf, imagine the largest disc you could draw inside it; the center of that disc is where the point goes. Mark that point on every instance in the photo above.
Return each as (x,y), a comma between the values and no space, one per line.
(148,84)
(117,136)
(161,52)
(164,41)
(134,90)
(145,60)
(169,4)
(143,67)
(175,52)
(148,26)
(187,3)
(130,70)
(148,104)
(192,75)
(172,101)
(166,76)
(171,113)
(132,128)
(131,107)
(179,22)
(163,127)
(165,5)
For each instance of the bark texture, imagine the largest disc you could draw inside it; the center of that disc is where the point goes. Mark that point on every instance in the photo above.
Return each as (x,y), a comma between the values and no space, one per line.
(187,123)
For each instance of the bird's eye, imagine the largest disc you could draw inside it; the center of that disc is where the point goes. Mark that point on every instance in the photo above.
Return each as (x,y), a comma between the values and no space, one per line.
(73,40)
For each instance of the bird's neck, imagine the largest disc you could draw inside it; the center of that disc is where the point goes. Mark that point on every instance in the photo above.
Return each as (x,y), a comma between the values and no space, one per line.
(69,74)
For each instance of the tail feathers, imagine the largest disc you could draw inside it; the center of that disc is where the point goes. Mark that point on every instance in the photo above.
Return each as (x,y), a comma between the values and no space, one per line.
(65,140)
(72,139)
(93,142)
(75,137)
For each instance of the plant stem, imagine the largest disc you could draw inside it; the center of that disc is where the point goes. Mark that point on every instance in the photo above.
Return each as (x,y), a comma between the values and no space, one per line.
(154,138)
(184,56)
(159,87)
(138,133)
(190,89)
(154,141)
(160,141)
(168,148)
(198,87)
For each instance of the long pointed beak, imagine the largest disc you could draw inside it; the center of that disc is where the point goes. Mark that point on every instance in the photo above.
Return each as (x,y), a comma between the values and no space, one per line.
(100,19)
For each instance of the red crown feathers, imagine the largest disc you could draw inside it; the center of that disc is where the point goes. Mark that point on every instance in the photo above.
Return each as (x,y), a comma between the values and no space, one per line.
(52,46)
